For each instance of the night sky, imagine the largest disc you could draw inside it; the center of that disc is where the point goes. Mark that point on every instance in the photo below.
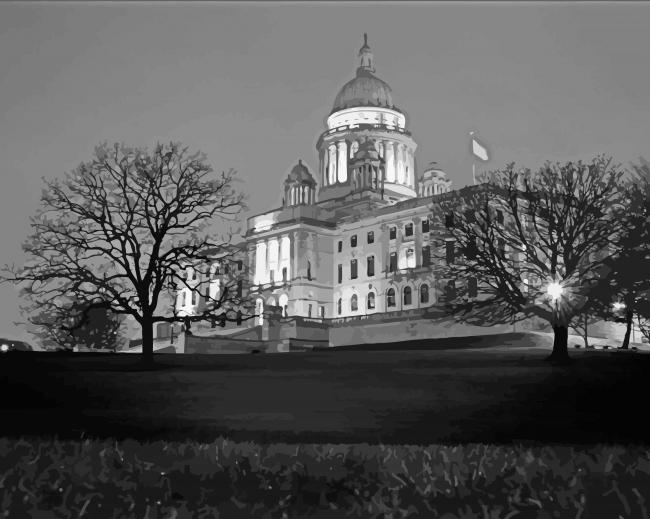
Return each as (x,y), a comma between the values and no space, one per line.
(251,86)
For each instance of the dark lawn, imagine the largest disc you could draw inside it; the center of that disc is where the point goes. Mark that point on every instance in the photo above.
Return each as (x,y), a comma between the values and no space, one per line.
(481,393)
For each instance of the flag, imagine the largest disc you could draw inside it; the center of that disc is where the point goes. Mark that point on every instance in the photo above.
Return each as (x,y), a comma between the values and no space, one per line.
(479,150)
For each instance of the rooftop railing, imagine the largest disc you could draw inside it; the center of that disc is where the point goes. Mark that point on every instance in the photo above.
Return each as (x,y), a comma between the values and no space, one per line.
(385,127)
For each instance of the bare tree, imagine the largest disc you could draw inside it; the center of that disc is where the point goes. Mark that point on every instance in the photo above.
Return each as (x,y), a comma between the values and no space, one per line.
(533,243)
(126,227)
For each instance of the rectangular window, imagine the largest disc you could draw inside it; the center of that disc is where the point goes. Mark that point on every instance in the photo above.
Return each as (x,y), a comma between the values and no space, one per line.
(499,216)
(371,237)
(449,220)
(353,269)
(371,266)
(272,272)
(501,245)
(392,264)
(240,265)
(322,312)
(408,230)
(309,310)
(425,225)
(426,256)
(393,233)
(240,285)
(410,258)
(284,274)
(449,245)
(340,246)
(472,287)
(340,273)
(472,250)
(353,240)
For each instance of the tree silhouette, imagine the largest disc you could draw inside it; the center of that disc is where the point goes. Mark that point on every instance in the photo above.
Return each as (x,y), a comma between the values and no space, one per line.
(74,323)
(533,241)
(126,227)
(627,282)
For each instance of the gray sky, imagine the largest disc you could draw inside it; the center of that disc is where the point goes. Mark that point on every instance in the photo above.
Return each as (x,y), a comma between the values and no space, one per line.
(251,85)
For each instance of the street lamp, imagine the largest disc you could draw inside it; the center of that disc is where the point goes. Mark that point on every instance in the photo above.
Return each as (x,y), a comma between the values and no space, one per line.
(554,290)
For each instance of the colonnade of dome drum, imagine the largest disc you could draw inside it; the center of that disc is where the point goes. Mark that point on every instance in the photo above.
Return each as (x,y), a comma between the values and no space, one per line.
(398,161)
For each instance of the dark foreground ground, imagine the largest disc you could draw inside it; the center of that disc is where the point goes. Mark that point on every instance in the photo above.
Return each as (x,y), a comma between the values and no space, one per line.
(495,389)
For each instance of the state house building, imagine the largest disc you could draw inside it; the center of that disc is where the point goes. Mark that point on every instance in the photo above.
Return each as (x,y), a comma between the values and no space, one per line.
(352,243)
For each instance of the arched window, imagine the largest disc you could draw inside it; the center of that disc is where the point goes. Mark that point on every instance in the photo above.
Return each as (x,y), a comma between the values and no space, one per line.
(194,297)
(371,301)
(407,296)
(424,294)
(282,301)
(390,297)
(339,306)
(354,303)
(183,298)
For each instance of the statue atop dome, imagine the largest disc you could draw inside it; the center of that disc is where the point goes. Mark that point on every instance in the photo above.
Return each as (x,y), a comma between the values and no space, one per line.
(367,59)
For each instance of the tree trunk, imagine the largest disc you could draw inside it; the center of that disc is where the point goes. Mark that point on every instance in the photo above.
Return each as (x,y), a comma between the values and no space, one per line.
(560,353)
(586,335)
(629,314)
(147,341)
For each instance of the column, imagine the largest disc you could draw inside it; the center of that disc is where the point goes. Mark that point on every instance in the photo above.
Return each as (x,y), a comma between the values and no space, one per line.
(390,161)
(321,167)
(399,160)
(266,263)
(295,253)
(332,164)
(285,255)
(342,173)
(411,164)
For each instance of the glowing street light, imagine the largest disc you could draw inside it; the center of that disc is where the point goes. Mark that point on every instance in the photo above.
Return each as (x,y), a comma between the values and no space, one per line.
(554,290)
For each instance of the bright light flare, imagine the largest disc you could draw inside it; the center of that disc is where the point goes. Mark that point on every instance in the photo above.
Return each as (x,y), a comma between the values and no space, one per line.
(4,348)
(554,290)
(619,306)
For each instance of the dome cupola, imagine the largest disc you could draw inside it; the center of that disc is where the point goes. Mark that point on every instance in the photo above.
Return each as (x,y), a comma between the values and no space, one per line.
(299,187)
(365,89)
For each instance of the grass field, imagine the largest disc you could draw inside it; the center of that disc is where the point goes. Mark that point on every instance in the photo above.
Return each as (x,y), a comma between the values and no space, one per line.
(460,429)
(498,390)
(221,479)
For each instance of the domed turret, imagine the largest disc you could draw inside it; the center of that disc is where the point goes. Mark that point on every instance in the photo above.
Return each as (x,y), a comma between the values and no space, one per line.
(299,187)
(434,181)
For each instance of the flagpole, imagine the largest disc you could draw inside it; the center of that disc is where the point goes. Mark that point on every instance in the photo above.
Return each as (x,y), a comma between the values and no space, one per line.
(471,134)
